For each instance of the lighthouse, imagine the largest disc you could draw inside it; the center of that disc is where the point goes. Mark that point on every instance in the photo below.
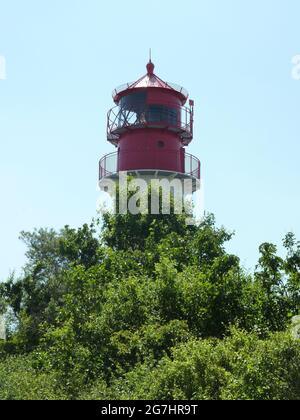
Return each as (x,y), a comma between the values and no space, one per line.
(151,126)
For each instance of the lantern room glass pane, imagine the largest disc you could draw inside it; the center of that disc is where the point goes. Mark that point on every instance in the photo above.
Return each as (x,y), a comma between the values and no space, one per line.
(134,110)
(161,113)
(135,102)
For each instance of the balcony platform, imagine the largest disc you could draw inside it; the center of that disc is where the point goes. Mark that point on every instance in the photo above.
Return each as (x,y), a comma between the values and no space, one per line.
(179,121)
(108,169)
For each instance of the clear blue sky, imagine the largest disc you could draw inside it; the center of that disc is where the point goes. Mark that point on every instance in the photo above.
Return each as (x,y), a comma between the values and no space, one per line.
(65,57)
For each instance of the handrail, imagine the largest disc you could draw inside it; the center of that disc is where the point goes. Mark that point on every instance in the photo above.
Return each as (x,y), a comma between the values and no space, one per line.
(192,166)
(176,119)
(173,86)
(121,88)
(109,165)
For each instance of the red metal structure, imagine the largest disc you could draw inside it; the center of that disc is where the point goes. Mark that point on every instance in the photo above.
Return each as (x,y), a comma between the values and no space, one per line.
(151,127)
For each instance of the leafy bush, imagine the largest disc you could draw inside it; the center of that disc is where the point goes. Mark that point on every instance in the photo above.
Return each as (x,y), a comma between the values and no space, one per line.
(241,367)
(20,381)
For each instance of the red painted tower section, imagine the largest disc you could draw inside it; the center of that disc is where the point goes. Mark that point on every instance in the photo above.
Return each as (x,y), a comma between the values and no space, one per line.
(151,127)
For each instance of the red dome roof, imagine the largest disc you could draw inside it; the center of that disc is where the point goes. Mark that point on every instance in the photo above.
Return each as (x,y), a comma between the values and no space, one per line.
(150,80)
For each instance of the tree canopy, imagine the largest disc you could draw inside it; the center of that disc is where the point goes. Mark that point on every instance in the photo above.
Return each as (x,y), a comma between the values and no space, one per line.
(146,307)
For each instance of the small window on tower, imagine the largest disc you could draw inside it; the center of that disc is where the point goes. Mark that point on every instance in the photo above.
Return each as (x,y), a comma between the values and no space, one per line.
(160,144)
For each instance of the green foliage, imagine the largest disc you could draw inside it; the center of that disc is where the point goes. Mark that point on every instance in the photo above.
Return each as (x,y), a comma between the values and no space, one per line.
(241,367)
(146,309)
(20,381)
